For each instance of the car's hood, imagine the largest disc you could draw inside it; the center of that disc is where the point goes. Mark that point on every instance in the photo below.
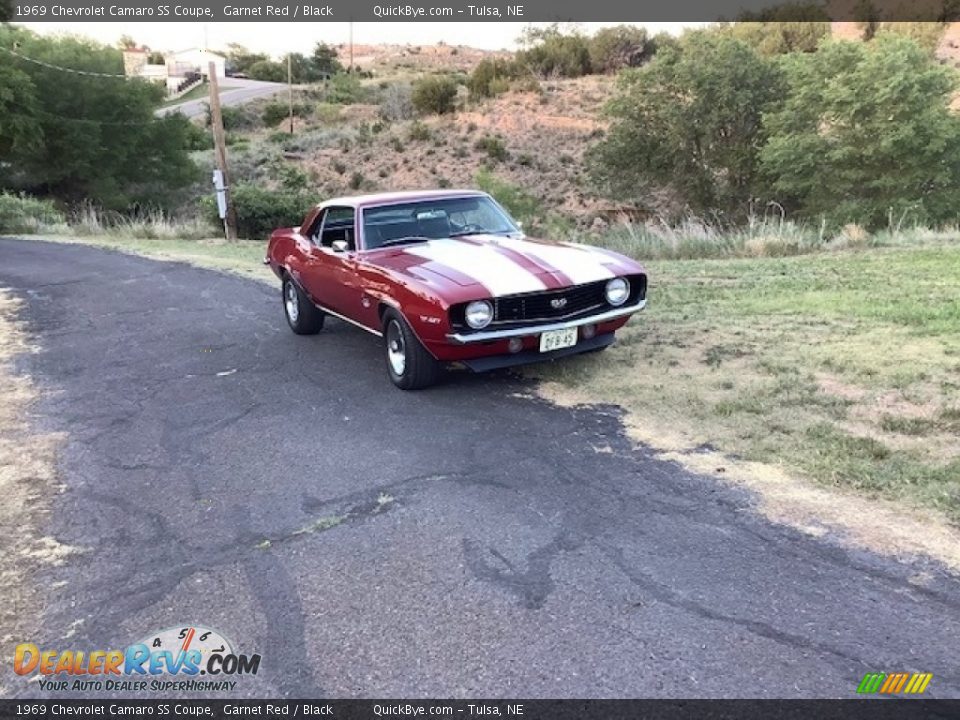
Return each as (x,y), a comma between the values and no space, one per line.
(493,265)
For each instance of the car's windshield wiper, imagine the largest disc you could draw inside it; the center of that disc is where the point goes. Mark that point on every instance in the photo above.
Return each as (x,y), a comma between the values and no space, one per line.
(407,239)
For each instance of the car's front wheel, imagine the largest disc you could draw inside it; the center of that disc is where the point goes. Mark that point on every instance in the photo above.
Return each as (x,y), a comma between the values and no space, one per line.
(303,317)
(409,364)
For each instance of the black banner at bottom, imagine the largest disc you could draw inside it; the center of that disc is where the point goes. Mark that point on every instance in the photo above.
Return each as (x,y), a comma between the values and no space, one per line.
(874,709)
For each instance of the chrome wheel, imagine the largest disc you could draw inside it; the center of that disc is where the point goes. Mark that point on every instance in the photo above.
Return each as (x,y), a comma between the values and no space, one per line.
(396,351)
(291,302)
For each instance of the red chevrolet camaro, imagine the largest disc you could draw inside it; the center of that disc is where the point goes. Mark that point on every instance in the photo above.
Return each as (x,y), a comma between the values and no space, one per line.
(448,277)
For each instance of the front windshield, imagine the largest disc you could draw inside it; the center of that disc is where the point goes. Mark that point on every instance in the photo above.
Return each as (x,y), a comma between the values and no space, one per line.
(433,219)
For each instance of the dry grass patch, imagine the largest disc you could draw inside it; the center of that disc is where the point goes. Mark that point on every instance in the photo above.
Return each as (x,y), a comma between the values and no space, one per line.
(27,482)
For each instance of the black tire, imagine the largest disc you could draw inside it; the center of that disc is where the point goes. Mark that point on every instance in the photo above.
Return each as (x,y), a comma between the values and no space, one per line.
(418,369)
(303,317)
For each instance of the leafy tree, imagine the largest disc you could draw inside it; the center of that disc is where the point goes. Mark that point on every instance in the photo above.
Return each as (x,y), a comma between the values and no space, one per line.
(435,94)
(126,42)
(866,134)
(239,59)
(614,48)
(6,10)
(689,121)
(325,61)
(91,137)
(552,51)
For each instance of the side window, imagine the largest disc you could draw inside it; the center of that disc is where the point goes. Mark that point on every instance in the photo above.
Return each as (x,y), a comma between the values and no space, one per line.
(314,233)
(338,224)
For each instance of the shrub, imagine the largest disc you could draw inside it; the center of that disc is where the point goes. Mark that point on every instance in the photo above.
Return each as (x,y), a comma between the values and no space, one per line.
(356,181)
(435,95)
(345,89)
(551,52)
(260,211)
(267,70)
(622,46)
(418,131)
(24,214)
(275,112)
(493,147)
(488,76)
(396,102)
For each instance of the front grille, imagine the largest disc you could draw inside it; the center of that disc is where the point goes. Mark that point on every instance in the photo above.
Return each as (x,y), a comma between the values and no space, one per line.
(539,306)
(581,301)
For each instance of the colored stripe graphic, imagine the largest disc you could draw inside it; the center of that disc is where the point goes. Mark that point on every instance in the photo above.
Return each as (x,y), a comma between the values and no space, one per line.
(894,683)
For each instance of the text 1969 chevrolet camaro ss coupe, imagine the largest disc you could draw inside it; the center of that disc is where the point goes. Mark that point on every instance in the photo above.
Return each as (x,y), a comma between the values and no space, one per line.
(448,277)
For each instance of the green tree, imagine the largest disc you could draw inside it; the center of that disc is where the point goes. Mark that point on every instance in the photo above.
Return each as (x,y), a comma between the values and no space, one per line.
(239,59)
(866,134)
(555,51)
(6,10)
(689,121)
(435,94)
(268,70)
(91,137)
(325,61)
(621,46)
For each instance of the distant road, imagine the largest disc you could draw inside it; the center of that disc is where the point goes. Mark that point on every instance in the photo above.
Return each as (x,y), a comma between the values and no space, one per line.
(241,91)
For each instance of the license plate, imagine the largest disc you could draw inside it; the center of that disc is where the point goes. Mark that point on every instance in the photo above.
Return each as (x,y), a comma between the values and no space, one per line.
(556,339)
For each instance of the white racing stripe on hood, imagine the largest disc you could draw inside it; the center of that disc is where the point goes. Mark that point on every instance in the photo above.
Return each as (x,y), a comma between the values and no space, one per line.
(581,265)
(492,269)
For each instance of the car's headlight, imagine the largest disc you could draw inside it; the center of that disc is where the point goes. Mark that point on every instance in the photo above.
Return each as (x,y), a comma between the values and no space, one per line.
(479,313)
(617,291)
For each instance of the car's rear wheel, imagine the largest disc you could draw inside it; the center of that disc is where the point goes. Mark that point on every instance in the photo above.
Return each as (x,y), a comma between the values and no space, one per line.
(303,317)
(409,364)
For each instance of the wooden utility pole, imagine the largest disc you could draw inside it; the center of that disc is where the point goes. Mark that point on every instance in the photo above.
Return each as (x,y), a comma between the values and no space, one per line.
(350,69)
(220,151)
(290,90)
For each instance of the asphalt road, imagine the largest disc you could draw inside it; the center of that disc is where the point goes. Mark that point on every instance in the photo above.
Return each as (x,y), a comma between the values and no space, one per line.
(239,91)
(518,549)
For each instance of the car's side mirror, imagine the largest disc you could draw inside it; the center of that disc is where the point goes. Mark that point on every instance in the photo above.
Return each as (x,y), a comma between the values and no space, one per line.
(340,246)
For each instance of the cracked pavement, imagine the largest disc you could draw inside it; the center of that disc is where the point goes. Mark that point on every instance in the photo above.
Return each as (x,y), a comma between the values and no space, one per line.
(465,541)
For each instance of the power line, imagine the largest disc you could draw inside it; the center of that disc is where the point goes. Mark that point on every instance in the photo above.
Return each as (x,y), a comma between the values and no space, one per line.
(87,121)
(50,66)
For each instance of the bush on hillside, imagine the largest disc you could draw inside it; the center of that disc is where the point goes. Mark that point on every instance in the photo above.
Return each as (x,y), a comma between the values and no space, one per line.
(552,52)
(622,46)
(345,89)
(489,77)
(396,102)
(275,112)
(435,95)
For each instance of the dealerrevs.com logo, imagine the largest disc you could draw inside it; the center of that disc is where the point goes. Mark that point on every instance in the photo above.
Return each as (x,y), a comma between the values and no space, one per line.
(172,659)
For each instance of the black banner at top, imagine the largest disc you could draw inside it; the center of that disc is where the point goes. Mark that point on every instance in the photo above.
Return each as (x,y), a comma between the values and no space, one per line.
(479,10)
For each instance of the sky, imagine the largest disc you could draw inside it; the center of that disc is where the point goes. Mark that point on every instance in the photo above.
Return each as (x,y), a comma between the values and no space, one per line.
(279,38)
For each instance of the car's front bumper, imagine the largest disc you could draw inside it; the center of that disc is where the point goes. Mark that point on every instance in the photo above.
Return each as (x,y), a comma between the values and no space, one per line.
(527,357)
(486,336)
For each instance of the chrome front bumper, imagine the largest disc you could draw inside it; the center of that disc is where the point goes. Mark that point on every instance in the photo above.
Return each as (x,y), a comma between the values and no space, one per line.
(489,335)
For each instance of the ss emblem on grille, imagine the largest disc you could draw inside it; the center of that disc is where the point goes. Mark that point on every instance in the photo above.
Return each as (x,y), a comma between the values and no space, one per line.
(558,303)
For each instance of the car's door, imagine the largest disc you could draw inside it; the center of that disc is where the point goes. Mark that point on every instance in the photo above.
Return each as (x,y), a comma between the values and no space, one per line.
(330,268)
